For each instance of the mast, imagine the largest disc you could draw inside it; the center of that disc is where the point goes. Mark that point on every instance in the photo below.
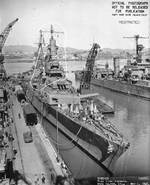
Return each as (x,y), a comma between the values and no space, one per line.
(52,46)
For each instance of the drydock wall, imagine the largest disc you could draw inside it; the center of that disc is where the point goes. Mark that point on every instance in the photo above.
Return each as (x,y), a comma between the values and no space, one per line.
(123,87)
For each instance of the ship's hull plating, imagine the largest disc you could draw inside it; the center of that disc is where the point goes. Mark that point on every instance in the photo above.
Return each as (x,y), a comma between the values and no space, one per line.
(123,87)
(120,86)
(70,128)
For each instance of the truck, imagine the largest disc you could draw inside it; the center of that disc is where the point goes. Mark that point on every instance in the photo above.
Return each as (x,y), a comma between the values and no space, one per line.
(30,115)
(20,95)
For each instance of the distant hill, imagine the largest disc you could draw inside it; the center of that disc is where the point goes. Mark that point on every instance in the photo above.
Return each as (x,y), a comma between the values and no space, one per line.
(19,48)
(106,53)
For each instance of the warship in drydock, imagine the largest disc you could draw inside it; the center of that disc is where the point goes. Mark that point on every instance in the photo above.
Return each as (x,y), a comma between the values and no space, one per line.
(53,95)
(133,79)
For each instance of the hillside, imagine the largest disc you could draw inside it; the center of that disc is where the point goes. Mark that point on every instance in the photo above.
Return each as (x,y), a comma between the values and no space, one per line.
(71,53)
(21,48)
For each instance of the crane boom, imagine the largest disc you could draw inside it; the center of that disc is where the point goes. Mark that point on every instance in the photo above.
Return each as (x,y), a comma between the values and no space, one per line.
(3,37)
(5,33)
(87,74)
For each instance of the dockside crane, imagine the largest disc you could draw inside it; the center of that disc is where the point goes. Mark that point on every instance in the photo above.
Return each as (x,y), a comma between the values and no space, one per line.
(139,47)
(5,33)
(87,74)
(3,38)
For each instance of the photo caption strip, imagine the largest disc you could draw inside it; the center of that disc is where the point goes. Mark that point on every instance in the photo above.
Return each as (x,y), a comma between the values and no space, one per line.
(130,8)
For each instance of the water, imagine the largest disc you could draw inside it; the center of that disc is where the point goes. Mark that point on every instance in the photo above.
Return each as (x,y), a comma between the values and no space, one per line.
(77,161)
(132,118)
(17,67)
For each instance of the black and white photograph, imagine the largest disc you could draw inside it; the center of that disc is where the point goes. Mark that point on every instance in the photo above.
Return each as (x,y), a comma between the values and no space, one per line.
(74,92)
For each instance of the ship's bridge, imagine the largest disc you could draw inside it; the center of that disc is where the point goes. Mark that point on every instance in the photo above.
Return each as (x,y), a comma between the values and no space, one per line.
(54,69)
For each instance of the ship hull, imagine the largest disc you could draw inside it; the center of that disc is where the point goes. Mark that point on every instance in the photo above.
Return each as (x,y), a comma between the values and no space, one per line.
(120,86)
(82,137)
(123,87)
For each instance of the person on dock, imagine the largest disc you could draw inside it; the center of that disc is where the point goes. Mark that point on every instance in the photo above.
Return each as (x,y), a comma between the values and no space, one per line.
(43,179)
(19,115)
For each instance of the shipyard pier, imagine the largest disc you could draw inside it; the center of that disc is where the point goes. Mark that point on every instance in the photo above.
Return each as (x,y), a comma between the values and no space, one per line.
(33,159)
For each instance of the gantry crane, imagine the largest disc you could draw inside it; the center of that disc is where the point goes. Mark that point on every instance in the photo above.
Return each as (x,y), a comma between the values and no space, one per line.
(139,47)
(87,74)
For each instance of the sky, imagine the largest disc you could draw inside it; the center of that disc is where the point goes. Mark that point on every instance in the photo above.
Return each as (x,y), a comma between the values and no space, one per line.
(82,21)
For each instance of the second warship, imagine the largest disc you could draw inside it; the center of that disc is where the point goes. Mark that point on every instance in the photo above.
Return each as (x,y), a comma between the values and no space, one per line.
(132,79)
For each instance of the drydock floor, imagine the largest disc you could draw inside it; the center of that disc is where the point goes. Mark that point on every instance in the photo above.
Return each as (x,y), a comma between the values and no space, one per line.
(32,159)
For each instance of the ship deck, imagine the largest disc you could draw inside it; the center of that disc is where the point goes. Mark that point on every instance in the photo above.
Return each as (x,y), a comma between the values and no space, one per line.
(102,130)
